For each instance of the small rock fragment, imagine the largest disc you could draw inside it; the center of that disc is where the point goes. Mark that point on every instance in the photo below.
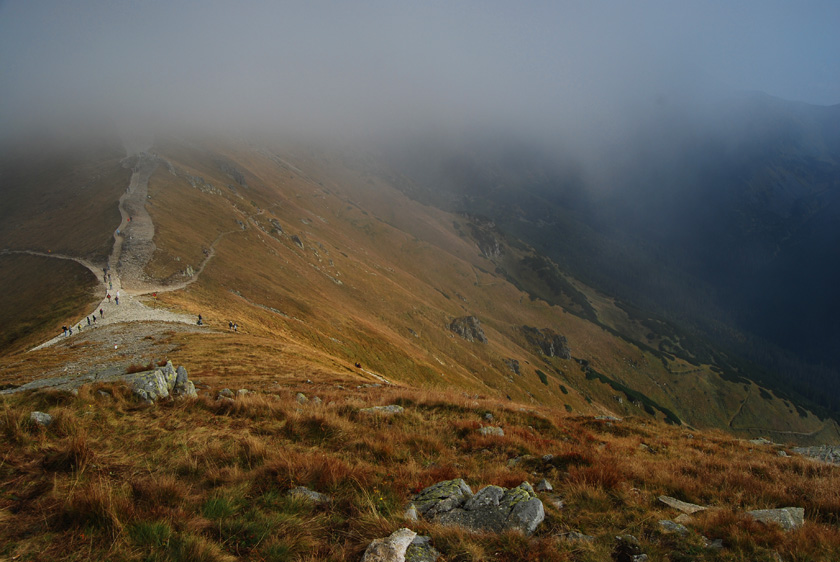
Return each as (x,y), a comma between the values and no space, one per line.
(40,418)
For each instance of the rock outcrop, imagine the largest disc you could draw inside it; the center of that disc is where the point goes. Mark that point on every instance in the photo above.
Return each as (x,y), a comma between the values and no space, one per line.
(550,343)
(391,548)
(167,381)
(493,508)
(469,328)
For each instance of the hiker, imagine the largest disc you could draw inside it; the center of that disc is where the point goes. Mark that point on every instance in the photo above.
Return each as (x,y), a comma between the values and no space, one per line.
(101,313)
(110,286)
(235,327)
(358,365)
(117,298)
(109,278)
(70,329)
(108,296)
(88,319)
(230,325)
(200,322)
(65,329)
(94,318)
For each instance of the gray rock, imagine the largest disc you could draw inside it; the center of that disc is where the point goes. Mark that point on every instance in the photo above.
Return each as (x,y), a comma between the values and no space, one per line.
(301,398)
(389,410)
(492,509)
(670,527)
(316,400)
(513,365)
(685,507)
(608,418)
(788,518)
(488,416)
(391,548)
(421,550)
(296,239)
(305,493)
(183,385)
(469,328)
(548,341)
(716,544)
(627,549)
(40,418)
(411,513)
(547,458)
(576,536)
(544,486)
(243,392)
(782,454)
(150,386)
(442,497)
(761,441)
(225,393)
(496,431)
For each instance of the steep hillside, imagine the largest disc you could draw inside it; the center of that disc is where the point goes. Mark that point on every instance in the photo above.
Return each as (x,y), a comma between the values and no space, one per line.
(323,264)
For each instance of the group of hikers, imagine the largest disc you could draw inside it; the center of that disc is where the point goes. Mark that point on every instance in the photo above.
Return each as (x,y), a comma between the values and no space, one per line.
(231,324)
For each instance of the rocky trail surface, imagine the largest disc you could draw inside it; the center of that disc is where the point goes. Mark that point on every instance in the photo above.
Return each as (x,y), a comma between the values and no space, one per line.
(123,278)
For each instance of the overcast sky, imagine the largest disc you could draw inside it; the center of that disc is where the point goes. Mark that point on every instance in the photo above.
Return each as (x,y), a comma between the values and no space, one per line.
(361,66)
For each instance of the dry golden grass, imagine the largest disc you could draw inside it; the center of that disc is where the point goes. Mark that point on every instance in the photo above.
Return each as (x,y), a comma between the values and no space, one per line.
(199,480)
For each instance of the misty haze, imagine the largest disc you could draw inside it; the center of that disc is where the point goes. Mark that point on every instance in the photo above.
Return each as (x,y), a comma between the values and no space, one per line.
(292,281)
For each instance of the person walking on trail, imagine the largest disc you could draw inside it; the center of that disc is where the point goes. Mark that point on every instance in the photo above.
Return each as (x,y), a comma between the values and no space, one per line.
(70,329)
(108,296)
(65,330)
(235,327)
(88,319)
(230,325)
(94,318)
(200,321)
(101,313)
(117,298)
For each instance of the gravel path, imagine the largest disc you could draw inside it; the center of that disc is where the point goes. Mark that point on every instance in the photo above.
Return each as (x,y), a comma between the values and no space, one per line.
(133,248)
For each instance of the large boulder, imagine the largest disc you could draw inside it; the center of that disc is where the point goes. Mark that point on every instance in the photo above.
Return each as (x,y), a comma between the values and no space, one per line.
(469,328)
(493,508)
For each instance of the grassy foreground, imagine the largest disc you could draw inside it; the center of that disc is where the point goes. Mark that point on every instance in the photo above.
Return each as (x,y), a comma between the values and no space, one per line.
(206,480)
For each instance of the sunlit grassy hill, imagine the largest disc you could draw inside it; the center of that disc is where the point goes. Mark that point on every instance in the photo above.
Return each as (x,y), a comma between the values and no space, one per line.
(307,250)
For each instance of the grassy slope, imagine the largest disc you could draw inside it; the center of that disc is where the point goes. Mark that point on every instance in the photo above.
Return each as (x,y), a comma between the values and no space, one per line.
(39,296)
(404,272)
(205,480)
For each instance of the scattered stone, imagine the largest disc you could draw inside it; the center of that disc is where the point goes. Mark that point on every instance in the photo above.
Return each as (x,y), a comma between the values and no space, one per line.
(716,544)
(421,550)
(225,393)
(547,458)
(488,416)
(685,507)
(628,549)
(389,410)
(788,518)
(316,400)
(390,549)
(544,486)
(411,513)
(493,508)
(489,430)
(608,418)
(761,441)
(824,453)
(183,385)
(782,454)
(296,239)
(576,536)
(104,394)
(670,527)
(243,392)
(301,398)
(684,519)
(556,501)
(469,328)
(513,365)
(305,493)
(40,418)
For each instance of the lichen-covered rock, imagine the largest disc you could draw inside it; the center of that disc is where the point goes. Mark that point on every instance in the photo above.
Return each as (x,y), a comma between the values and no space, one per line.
(301,398)
(421,550)
(40,418)
(544,486)
(669,526)
(493,508)
(150,386)
(788,518)
(441,497)
(225,393)
(685,507)
(469,328)
(391,548)
(389,410)
(183,385)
